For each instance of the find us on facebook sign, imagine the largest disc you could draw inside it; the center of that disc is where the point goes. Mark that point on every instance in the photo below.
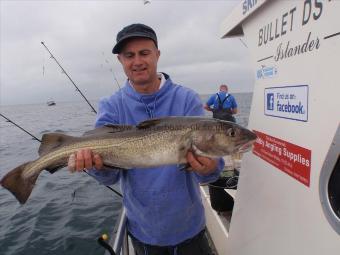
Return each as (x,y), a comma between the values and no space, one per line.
(289,102)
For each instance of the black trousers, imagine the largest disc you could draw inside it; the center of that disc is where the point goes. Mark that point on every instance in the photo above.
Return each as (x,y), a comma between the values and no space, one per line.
(198,245)
(223,114)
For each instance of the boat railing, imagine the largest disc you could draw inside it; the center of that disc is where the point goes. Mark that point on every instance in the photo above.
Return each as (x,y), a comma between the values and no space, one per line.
(119,240)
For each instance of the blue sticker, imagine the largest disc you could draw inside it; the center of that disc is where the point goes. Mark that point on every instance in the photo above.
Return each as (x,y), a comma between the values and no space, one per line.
(266,72)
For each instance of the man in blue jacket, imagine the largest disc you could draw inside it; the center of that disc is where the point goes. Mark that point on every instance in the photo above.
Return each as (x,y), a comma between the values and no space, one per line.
(224,105)
(163,205)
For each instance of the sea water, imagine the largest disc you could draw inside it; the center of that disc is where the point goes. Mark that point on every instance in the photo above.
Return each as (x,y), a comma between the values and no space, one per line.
(65,213)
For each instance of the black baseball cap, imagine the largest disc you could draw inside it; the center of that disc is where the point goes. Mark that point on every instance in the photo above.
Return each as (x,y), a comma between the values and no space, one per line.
(133,30)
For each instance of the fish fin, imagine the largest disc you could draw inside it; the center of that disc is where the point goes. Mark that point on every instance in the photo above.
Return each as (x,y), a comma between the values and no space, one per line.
(163,121)
(52,141)
(169,120)
(109,128)
(55,167)
(148,123)
(19,186)
(112,167)
(118,127)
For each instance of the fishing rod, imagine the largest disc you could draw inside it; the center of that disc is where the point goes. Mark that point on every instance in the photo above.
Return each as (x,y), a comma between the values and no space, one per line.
(63,70)
(113,190)
(78,90)
(8,120)
(35,138)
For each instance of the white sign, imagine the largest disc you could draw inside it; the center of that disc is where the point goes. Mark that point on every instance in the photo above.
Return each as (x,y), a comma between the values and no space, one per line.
(290,102)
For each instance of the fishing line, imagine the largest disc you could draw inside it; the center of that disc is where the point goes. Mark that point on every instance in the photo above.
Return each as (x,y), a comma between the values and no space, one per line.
(111,70)
(245,45)
(43,67)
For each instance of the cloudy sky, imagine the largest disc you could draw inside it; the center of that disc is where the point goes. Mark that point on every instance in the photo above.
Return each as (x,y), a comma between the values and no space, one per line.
(81,35)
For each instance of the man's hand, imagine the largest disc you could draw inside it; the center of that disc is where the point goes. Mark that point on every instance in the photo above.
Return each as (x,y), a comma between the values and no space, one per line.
(201,165)
(84,159)
(207,107)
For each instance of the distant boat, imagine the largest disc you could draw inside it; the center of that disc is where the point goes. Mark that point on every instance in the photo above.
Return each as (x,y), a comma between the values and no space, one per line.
(50,103)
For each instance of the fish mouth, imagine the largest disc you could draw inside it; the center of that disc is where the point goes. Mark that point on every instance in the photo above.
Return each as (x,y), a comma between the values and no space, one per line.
(246,147)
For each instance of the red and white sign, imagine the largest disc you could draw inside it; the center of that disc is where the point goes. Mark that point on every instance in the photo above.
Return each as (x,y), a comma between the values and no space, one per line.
(289,158)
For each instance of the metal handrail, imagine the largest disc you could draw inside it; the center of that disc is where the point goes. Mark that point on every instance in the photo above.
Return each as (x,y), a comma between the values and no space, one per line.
(119,240)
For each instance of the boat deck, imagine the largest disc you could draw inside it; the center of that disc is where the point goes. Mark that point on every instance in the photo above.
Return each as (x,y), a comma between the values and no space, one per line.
(218,223)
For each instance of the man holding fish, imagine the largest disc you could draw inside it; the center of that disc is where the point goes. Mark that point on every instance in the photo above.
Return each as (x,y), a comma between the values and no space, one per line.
(163,204)
(137,143)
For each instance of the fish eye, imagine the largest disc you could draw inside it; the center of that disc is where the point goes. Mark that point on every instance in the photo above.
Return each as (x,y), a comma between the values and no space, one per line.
(231,132)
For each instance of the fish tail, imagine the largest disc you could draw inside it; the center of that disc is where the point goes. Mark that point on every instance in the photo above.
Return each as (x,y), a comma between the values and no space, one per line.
(21,187)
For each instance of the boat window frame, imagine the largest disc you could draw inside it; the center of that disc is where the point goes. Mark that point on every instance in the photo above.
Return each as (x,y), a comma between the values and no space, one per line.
(329,166)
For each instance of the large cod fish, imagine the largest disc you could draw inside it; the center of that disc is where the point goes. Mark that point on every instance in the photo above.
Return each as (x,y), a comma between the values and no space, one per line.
(151,143)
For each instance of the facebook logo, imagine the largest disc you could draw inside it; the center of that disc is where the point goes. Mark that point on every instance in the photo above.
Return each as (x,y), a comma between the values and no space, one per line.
(270,101)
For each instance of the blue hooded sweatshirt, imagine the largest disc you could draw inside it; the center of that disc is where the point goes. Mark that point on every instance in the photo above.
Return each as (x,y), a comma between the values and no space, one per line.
(163,204)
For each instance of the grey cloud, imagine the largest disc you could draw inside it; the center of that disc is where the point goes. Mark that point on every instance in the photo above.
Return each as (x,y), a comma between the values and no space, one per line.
(81,35)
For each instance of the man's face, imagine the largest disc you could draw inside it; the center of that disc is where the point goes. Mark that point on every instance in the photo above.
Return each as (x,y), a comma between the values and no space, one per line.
(139,58)
(224,88)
